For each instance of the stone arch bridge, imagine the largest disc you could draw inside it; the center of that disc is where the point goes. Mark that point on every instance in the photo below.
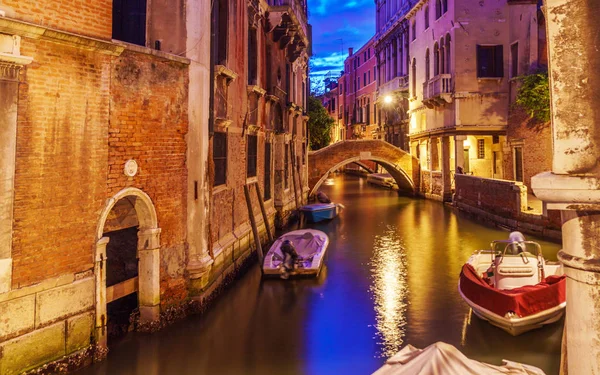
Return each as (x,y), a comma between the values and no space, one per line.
(403,167)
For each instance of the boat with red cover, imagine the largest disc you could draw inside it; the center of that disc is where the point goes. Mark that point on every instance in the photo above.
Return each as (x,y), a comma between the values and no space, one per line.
(513,287)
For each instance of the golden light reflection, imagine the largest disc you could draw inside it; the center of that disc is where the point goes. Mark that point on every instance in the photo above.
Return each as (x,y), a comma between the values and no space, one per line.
(389,289)
(466,323)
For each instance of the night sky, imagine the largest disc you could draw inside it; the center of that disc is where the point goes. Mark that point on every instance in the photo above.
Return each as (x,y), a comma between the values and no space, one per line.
(350,23)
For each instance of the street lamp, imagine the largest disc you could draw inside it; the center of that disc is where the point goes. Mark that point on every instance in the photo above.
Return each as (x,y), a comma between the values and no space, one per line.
(388,99)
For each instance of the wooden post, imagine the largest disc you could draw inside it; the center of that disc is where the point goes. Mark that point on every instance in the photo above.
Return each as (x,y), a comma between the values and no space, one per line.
(264,212)
(293,152)
(254,227)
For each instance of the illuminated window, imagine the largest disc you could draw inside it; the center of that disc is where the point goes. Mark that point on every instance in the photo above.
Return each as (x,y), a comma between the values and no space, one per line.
(481,149)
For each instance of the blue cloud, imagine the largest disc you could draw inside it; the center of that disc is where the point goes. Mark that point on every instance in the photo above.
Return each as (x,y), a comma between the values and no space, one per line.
(338,25)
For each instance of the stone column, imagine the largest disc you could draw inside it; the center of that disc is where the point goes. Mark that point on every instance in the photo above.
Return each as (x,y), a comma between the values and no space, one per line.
(459,151)
(446,178)
(572,186)
(198,197)
(11,62)
(149,274)
(100,275)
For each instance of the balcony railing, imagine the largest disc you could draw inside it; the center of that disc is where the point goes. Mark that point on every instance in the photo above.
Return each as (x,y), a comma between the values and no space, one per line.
(438,90)
(298,8)
(395,85)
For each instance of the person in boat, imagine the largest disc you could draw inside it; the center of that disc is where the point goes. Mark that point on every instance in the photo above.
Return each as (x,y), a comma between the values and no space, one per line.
(518,243)
(290,256)
(322,197)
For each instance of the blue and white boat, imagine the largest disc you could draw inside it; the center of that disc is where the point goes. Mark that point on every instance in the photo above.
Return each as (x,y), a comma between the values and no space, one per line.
(321,211)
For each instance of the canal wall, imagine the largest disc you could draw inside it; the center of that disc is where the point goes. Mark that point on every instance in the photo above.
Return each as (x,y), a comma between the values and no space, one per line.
(504,203)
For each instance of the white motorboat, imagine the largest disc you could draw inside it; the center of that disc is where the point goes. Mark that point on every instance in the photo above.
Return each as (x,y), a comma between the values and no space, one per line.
(442,358)
(513,287)
(310,246)
(382,179)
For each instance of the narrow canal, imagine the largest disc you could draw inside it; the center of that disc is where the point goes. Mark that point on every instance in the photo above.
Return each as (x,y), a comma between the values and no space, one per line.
(390,280)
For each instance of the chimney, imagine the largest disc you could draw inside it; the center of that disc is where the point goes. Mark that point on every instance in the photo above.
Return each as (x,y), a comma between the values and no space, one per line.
(350,51)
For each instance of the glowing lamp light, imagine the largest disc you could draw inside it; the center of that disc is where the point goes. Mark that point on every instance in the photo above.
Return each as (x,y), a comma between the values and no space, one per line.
(387,99)
(467,143)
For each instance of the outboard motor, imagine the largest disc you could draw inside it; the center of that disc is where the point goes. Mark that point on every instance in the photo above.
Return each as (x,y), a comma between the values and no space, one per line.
(289,259)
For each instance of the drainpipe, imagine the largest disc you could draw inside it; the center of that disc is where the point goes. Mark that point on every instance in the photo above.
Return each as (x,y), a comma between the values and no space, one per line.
(573,185)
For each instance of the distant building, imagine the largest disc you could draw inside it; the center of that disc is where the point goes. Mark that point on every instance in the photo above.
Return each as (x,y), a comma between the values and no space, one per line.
(462,61)
(359,85)
(392,48)
(330,100)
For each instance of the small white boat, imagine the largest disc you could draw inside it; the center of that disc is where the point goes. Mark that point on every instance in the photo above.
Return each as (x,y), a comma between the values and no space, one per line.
(382,179)
(442,358)
(310,246)
(513,287)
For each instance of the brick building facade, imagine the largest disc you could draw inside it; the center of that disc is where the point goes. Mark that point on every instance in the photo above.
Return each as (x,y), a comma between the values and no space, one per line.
(109,196)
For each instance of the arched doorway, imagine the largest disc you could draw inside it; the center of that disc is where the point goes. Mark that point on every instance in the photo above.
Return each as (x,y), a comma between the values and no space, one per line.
(127,266)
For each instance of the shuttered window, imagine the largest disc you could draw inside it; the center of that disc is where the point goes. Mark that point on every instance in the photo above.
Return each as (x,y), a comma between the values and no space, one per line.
(129,21)
(220,157)
(490,61)
(252,155)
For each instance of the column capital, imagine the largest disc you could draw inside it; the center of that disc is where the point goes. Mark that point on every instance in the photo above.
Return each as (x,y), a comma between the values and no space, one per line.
(566,192)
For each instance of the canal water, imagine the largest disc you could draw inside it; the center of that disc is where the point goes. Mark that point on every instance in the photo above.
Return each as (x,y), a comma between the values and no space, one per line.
(390,280)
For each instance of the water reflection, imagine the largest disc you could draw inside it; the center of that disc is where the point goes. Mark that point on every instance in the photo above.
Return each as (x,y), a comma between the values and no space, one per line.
(389,288)
(390,279)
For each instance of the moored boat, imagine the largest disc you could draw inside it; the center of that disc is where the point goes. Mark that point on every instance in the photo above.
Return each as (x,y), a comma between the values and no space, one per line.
(442,358)
(513,287)
(308,247)
(321,211)
(382,179)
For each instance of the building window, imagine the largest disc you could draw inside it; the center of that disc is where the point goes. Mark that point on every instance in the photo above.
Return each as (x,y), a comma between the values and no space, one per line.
(267,191)
(518,153)
(252,57)
(220,157)
(369,77)
(286,168)
(359,83)
(368,53)
(220,15)
(448,61)
(129,21)
(365,56)
(414,30)
(436,60)
(489,61)
(427,65)
(514,60)
(438,9)
(444,6)
(364,79)
(251,156)
(426,15)
(414,77)
(495,139)
(481,149)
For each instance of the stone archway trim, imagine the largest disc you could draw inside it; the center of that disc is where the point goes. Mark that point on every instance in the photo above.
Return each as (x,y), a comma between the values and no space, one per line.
(148,252)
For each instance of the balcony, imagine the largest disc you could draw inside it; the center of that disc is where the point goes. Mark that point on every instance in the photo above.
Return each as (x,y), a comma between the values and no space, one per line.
(397,84)
(438,90)
(288,21)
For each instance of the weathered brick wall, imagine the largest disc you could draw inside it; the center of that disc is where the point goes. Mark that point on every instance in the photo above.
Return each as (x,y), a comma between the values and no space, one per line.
(438,183)
(148,123)
(499,197)
(83,17)
(61,163)
(425,182)
(536,140)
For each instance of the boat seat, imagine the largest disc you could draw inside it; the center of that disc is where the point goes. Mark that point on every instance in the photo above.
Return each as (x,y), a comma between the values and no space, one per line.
(515,271)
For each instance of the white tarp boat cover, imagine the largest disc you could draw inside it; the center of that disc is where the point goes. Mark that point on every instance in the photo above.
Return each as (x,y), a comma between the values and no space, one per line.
(444,359)
(306,244)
